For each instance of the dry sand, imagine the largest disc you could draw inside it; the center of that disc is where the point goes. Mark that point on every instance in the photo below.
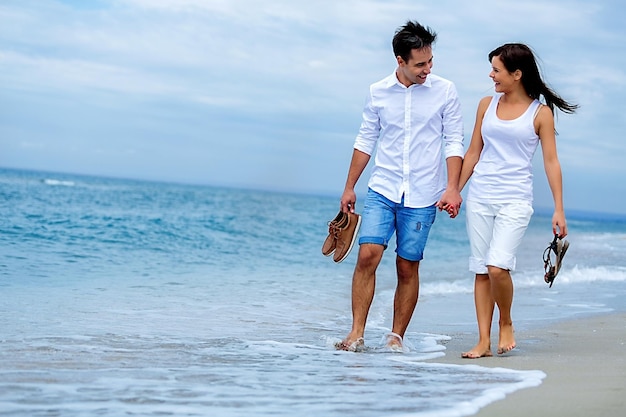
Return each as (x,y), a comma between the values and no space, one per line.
(585,364)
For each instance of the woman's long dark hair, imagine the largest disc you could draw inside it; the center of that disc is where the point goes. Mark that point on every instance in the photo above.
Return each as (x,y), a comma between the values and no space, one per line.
(517,56)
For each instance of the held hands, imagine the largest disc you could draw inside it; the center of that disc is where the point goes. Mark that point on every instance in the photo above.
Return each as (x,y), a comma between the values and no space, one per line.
(450,202)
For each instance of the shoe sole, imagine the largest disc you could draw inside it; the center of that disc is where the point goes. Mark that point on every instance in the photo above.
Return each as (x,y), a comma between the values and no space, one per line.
(354,235)
(559,258)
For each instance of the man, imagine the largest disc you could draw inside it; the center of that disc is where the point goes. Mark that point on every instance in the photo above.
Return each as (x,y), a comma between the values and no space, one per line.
(408,116)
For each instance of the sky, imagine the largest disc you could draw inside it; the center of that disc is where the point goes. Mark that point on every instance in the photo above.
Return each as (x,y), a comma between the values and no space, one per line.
(269,94)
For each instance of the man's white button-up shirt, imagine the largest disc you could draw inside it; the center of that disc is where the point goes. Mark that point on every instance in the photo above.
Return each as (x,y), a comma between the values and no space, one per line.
(411,129)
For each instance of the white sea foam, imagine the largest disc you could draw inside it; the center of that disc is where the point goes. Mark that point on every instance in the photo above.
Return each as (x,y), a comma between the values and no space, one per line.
(443,287)
(522,379)
(51,181)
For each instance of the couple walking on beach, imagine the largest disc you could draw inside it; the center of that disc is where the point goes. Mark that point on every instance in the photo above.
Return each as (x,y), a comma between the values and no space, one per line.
(412,120)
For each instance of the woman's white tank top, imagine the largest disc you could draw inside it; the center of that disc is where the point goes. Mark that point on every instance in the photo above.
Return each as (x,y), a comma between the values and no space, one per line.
(504,171)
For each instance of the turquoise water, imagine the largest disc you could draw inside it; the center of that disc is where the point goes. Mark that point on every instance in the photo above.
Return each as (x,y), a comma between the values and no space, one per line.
(124,297)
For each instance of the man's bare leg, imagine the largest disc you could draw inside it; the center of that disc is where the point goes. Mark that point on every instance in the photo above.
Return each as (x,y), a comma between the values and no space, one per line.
(363,287)
(484,315)
(502,292)
(405,300)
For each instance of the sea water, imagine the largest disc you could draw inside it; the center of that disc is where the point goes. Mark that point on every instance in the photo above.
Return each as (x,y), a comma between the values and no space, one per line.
(122,297)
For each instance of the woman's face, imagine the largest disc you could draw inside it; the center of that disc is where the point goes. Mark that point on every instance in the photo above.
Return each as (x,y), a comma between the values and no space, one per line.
(503,79)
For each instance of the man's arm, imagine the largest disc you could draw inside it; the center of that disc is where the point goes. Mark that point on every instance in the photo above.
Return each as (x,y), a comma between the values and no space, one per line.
(364,146)
(357,165)
(451,198)
(453,151)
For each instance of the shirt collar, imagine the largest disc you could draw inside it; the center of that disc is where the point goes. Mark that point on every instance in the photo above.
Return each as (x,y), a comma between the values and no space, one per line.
(393,80)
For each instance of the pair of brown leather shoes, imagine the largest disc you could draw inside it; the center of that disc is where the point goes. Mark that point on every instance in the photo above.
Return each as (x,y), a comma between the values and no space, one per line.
(342,232)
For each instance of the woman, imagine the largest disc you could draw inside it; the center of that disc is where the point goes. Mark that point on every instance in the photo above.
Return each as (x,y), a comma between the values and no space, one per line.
(508,128)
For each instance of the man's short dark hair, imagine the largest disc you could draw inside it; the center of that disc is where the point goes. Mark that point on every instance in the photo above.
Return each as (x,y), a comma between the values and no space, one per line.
(412,36)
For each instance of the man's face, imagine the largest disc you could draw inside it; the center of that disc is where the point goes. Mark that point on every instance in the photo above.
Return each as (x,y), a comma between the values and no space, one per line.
(417,68)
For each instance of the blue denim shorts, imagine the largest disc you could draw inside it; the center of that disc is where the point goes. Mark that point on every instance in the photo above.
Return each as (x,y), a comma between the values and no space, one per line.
(382,217)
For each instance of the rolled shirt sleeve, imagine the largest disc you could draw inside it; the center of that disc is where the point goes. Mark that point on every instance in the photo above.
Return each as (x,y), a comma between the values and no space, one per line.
(453,125)
(370,128)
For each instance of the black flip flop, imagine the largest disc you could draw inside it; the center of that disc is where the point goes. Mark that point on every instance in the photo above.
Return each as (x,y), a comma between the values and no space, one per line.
(559,247)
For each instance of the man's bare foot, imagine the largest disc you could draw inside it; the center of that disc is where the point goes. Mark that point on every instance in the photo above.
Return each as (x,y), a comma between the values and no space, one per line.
(478,351)
(351,345)
(507,339)
(393,341)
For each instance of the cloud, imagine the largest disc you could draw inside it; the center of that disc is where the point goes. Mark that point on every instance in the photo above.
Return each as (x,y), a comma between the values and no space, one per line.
(271,93)
(41,73)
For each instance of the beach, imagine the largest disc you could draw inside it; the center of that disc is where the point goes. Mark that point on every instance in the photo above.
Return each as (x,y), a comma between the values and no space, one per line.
(583,360)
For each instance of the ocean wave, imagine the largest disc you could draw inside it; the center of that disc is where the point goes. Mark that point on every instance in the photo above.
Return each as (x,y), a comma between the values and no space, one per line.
(50,181)
(528,279)
(593,274)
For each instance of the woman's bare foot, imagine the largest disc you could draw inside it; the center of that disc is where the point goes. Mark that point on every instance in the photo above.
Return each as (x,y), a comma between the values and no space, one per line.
(478,351)
(507,338)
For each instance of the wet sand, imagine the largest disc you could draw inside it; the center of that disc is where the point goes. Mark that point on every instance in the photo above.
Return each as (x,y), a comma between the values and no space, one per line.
(584,360)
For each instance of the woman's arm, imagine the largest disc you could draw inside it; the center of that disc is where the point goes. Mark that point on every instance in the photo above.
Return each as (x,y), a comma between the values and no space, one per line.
(476,145)
(544,123)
